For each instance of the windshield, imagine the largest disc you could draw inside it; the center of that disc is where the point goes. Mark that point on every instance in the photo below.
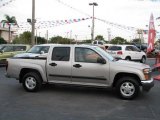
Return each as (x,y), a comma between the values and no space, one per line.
(1,47)
(104,53)
(39,49)
(114,48)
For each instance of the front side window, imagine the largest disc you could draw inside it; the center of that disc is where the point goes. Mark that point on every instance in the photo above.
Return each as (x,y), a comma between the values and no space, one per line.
(61,54)
(135,49)
(129,48)
(86,55)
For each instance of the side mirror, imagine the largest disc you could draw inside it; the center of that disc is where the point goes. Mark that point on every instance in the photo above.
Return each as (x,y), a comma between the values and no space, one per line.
(101,60)
(42,52)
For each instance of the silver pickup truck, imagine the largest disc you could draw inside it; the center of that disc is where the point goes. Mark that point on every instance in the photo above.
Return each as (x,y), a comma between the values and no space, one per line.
(82,65)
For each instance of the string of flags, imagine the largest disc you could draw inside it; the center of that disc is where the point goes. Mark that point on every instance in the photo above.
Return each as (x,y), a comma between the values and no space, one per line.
(48,24)
(43,24)
(2,4)
(117,25)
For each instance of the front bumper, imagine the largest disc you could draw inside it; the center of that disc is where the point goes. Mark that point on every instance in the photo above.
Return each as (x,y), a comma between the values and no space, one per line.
(147,84)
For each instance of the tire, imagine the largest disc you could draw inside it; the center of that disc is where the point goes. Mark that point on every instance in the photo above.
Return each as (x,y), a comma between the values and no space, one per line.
(143,60)
(127,88)
(128,58)
(32,82)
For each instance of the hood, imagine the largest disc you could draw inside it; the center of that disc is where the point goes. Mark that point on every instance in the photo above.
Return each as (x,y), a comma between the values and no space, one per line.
(131,64)
(26,55)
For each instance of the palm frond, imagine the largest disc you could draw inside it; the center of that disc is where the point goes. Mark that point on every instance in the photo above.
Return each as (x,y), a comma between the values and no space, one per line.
(9,19)
(4,21)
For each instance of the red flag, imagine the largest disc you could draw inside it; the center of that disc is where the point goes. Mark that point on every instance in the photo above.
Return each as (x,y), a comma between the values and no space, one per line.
(151,34)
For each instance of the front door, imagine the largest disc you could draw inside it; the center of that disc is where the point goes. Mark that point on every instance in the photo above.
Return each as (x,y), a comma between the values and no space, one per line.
(85,68)
(59,65)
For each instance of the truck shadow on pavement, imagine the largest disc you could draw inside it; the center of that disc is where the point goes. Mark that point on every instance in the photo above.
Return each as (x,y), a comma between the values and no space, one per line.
(85,91)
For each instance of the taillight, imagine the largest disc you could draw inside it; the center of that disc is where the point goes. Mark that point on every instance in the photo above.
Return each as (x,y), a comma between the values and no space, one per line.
(119,52)
(6,65)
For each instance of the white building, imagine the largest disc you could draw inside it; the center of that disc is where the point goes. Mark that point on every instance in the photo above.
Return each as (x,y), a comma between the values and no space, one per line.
(4,33)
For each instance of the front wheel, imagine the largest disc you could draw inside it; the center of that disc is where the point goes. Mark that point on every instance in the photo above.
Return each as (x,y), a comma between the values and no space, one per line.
(143,60)
(127,88)
(32,82)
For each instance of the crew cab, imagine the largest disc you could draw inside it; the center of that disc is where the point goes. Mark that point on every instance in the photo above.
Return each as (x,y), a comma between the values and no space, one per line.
(81,65)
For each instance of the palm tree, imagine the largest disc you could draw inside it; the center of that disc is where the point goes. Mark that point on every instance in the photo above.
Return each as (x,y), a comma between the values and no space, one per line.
(9,20)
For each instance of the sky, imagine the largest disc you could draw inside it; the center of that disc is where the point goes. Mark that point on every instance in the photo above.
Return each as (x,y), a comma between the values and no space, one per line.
(132,13)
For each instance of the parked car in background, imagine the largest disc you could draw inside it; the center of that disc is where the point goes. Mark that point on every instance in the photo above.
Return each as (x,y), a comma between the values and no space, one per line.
(142,47)
(107,45)
(36,50)
(1,46)
(9,50)
(98,42)
(127,52)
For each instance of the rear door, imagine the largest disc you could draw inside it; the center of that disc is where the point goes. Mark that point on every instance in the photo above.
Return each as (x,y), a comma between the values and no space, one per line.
(129,51)
(59,65)
(138,53)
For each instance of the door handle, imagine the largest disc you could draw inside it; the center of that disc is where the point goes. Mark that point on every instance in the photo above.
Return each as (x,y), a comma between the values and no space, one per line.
(53,64)
(77,65)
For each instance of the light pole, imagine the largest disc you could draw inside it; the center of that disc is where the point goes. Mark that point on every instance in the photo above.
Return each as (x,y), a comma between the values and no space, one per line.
(92,33)
(33,23)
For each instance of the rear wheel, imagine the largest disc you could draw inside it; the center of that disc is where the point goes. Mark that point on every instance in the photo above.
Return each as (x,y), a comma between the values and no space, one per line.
(128,58)
(127,88)
(32,82)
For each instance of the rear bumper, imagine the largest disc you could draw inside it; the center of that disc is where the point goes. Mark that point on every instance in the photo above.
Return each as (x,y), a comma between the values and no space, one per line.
(147,84)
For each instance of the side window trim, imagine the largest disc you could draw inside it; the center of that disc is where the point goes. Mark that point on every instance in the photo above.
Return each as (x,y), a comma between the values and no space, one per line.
(85,61)
(61,58)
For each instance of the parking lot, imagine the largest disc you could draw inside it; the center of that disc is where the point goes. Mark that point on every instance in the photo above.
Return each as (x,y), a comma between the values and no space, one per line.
(74,103)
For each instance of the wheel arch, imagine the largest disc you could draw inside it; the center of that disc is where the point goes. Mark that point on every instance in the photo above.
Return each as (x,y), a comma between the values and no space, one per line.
(27,70)
(128,57)
(122,74)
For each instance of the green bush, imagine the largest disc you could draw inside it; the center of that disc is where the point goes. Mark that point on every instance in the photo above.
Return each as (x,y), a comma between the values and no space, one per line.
(2,41)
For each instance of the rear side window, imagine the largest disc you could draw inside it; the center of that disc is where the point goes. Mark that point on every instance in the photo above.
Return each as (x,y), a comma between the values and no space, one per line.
(95,42)
(100,43)
(129,48)
(8,49)
(19,48)
(114,48)
(61,54)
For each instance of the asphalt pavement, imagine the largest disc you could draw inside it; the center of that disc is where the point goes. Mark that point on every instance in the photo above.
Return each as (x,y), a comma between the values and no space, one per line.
(75,103)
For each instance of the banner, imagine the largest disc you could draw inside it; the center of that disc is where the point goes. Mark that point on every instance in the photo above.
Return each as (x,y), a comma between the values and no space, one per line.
(151,35)
(48,24)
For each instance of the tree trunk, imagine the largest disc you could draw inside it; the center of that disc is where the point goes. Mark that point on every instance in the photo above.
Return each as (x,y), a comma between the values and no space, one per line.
(9,35)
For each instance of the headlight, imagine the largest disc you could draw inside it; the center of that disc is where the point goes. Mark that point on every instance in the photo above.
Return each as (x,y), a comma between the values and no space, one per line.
(146,70)
(147,73)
